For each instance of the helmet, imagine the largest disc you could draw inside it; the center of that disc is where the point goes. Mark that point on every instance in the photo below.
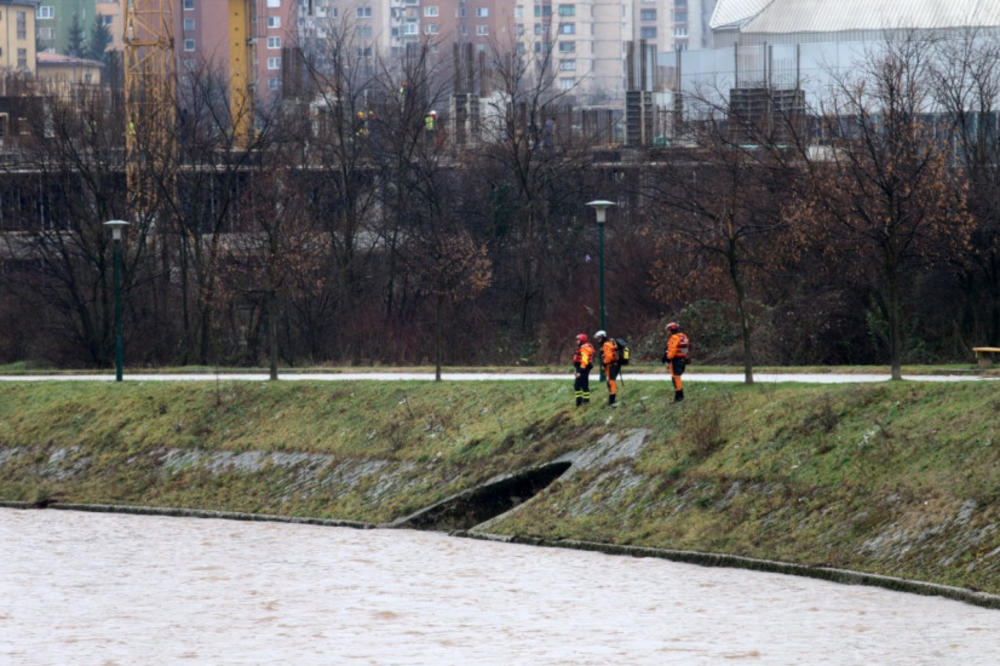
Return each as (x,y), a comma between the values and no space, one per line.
(601,334)
(672,326)
(581,338)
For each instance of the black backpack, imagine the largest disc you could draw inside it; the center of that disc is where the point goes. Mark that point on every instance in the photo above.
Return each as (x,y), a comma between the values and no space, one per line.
(622,352)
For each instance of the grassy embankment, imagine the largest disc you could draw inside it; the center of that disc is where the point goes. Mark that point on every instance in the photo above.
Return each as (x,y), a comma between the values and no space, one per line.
(899,479)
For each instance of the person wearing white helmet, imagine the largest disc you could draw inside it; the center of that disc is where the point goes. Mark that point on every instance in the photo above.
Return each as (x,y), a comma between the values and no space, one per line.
(675,356)
(608,353)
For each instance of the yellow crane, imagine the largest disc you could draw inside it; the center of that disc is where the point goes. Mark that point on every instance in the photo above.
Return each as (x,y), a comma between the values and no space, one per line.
(151,86)
(241,73)
(150,99)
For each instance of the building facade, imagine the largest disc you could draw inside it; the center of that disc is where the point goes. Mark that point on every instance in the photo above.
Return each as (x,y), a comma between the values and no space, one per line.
(201,38)
(56,19)
(17,35)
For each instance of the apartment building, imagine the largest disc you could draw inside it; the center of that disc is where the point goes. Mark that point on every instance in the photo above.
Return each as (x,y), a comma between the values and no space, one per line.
(583,43)
(17,35)
(55,21)
(201,38)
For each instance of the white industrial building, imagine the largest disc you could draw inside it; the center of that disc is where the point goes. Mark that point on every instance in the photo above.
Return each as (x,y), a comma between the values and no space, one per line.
(805,44)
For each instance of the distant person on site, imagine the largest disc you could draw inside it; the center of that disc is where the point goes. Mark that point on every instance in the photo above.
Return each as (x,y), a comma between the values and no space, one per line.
(609,359)
(583,361)
(675,356)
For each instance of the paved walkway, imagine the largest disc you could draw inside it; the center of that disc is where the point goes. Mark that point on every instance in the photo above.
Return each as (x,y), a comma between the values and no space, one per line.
(690,377)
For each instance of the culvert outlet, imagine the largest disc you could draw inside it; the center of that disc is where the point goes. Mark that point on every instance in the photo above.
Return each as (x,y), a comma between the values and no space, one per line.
(471,507)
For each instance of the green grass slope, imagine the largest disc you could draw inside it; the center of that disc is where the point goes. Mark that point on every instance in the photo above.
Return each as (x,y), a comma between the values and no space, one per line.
(892,478)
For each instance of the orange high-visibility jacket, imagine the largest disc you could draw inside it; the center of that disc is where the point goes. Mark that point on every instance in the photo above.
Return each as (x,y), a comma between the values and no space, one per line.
(677,346)
(608,351)
(584,356)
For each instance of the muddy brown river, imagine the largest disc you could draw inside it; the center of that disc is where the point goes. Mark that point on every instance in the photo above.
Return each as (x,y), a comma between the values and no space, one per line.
(91,588)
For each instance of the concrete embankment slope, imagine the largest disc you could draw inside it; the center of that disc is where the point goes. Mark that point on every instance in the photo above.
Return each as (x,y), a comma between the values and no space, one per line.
(897,480)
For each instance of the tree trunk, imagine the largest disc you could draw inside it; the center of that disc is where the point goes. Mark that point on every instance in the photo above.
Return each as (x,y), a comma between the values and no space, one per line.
(272,334)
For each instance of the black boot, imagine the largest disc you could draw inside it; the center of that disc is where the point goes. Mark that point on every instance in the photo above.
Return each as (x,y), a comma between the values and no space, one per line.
(678,395)
(611,399)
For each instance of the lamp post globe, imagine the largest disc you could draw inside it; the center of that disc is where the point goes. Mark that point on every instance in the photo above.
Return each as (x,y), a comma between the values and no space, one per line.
(116,227)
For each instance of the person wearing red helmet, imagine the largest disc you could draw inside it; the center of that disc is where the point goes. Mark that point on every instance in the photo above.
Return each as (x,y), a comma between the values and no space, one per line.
(583,361)
(675,356)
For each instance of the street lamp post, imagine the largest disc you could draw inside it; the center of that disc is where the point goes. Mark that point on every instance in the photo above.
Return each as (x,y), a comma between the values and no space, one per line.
(601,206)
(116,234)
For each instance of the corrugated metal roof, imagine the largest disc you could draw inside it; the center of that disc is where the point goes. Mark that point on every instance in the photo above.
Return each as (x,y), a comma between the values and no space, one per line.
(734,12)
(788,16)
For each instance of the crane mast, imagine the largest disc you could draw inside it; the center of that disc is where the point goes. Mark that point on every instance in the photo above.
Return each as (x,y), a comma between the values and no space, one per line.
(241,74)
(150,100)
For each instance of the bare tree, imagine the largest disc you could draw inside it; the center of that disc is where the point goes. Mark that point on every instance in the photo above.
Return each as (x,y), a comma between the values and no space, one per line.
(965,80)
(722,226)
(70,175)
(884,185)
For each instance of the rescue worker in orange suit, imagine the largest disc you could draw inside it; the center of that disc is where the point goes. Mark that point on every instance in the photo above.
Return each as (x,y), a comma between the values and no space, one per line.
(609,359)
(583,361)
(675,356)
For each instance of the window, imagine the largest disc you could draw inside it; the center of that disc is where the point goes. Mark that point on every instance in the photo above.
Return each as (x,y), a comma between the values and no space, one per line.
(567,28)
(566,84)
(46,33)
(274,62)
(482,12)
(680,31)
(364,32)
(647,14)
(519,29)
(519,12)
(430,11)
(22,58)
(364,12)
(482,30)
(545,10)
(364,52)
(539,29)
(189,45)
(410,29)
(274,42)
(275,21)
(647,33)
(461,12)
(567,65)
(188,24)
(567,47)
(188,4)
(680,17)
(567,10)
(431,29)
(45,12)
(273,3)
(274,83)
(22,26)
(107,20)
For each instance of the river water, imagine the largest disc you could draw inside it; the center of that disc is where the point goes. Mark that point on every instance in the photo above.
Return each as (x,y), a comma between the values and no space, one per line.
(93,588)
